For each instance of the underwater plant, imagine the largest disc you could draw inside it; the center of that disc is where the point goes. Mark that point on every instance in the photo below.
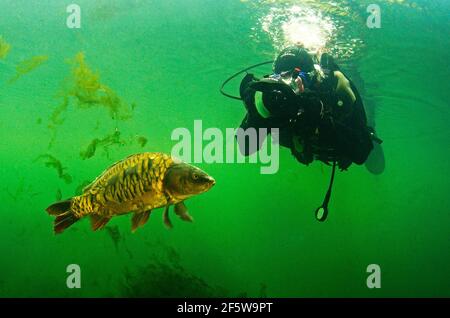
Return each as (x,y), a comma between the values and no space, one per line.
(55,116)
(5,47)
(105,142)
(164,276)
(86,90)
(58,196)
(28,65)
(110,140)
(89,91)
(114,234)
(142,141)
(52,162)
(23,190)
(56,120)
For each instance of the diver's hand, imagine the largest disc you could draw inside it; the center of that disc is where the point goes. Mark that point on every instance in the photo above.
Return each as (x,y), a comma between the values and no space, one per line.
(344,163)
(304,155)
(245,84)
(303,158)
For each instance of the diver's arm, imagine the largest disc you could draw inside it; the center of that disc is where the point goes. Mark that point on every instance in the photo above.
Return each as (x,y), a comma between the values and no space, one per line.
(351,129)
(344,89)
(251,120)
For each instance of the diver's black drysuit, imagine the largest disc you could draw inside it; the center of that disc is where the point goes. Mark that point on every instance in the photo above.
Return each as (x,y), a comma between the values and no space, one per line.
(328,129)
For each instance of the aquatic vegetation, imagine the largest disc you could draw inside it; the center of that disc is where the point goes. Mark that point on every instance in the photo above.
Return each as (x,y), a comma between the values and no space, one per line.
(164,276)
(56,114)
(28,65)
(114,233)
(90,150)
(158,279)
(89,91)
(5,47)
(86,89)
(114,139)
(23,190)
(56,120)
(58,195)
(51,162)
(142,141)
(106,142)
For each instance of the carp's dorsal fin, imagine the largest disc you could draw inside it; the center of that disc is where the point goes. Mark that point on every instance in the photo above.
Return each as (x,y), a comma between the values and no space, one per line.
(109,170)
(139,219)
(182,212)
(98,222)
(89,186)
(166,218)
(93,183)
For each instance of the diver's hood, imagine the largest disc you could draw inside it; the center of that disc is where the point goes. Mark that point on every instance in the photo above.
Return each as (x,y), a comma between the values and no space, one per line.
(293,57)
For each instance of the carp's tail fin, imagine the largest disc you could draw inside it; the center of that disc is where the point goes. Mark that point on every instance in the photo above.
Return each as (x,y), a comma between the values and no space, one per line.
(64,215)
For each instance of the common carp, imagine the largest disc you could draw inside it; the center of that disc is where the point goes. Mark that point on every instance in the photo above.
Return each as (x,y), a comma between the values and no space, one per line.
(137,184)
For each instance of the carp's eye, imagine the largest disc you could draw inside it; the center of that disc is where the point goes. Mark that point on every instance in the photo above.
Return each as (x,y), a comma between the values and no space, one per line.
(195,176)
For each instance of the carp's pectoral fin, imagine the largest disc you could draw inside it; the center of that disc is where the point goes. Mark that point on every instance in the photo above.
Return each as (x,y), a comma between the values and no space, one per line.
(139,219)
(166,219)
(182,212)
(98,222)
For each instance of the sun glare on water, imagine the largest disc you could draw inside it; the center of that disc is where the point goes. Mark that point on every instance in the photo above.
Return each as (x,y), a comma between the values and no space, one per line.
(296,24)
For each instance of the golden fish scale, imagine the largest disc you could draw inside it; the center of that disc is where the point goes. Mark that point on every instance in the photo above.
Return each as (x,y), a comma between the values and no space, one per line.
(134,184)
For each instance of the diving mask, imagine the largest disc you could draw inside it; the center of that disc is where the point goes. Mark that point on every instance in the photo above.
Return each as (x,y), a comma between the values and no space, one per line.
(299,80)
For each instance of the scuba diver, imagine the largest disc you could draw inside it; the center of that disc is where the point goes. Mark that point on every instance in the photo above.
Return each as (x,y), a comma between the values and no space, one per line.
(317,109)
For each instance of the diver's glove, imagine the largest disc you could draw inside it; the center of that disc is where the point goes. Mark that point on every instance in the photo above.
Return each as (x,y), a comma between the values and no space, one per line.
(304,156)
(245,84)
(344,163)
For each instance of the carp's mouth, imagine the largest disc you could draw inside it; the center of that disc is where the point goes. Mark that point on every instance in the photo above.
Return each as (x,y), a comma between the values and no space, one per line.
(211,182)
(205,184)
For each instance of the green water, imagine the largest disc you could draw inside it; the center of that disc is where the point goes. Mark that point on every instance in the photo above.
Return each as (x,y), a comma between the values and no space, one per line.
(254,234)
